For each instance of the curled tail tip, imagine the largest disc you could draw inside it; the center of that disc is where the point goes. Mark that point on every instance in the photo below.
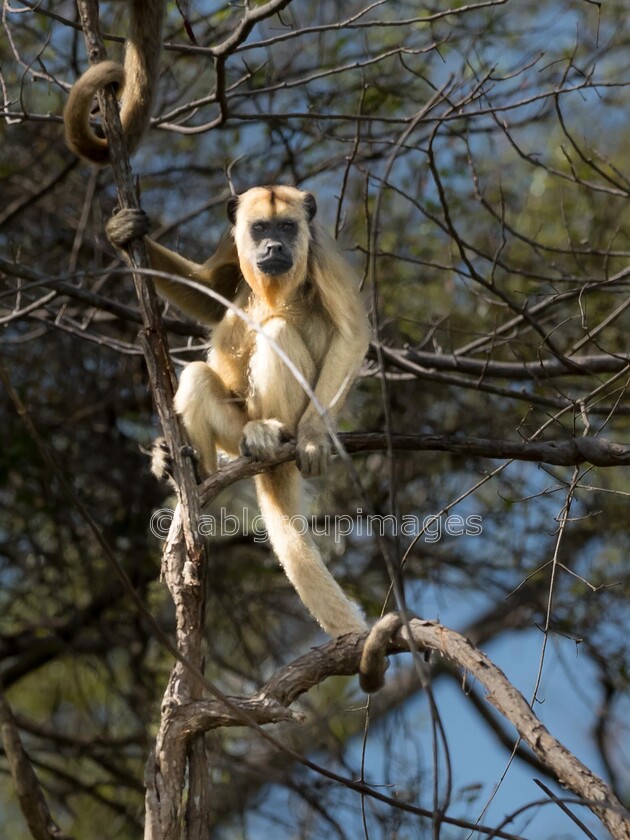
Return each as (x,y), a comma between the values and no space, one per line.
(79,135)
(98,75)
(88,148)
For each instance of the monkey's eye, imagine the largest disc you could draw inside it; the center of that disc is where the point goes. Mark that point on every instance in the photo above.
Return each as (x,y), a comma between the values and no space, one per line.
(259,227)
(287,226)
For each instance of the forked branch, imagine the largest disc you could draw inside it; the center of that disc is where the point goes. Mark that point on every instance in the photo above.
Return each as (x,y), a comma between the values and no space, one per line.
(342,656)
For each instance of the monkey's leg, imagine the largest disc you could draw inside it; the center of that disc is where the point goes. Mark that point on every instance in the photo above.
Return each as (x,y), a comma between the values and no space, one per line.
(212,415)
(277,400)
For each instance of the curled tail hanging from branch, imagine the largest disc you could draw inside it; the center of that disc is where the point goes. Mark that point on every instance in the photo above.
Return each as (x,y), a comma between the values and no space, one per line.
(136,83)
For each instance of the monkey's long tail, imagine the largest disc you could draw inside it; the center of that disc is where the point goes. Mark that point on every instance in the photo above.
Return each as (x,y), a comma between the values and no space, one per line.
(138,78)
(279,495)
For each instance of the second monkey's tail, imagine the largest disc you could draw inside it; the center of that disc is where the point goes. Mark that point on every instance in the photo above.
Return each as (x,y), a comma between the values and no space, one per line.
(136,81)
(279,495)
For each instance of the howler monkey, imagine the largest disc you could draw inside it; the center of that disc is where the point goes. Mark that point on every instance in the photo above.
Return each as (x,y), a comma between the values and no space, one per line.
(291,279)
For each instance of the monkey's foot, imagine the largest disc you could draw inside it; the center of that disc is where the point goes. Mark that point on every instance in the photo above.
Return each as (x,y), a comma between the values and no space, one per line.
(162,460)
(262,439)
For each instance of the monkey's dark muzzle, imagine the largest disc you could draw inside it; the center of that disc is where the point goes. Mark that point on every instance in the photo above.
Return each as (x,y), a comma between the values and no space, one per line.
(273,266)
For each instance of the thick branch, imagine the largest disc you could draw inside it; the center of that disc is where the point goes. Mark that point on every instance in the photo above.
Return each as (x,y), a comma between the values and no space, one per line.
(265,760)
(600,452)
(27,787)
(342,657)
(185,552)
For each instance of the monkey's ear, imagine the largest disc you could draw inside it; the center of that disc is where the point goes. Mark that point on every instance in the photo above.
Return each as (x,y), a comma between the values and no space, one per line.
(310,206)
(232,207)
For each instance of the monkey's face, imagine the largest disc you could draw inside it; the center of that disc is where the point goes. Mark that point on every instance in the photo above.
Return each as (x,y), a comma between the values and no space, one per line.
(274,242)
(272,236)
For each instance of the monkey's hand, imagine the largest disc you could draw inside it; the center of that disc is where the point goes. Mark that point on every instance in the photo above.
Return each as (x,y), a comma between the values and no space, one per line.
(313,450)
(125,225)
(263,438)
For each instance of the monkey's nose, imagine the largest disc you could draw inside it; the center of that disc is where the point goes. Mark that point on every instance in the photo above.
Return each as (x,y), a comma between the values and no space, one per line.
(274,248)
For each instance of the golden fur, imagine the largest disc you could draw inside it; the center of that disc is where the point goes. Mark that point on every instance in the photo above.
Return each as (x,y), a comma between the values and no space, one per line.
(244,397)
(136,84)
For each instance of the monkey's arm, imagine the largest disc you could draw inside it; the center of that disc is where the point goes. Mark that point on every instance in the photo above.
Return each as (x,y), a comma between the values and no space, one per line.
(339,294)
(220,273)
(339,369)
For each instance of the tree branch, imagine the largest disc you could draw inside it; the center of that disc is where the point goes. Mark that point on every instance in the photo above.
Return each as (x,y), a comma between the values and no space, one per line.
(342,656)
(526,370)
(27,787)
(600,452)
(184,560)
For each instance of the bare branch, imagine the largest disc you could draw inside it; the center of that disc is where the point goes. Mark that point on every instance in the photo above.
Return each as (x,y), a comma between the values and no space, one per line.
(342,656)
(186,549)
(27,787)
(597,451)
